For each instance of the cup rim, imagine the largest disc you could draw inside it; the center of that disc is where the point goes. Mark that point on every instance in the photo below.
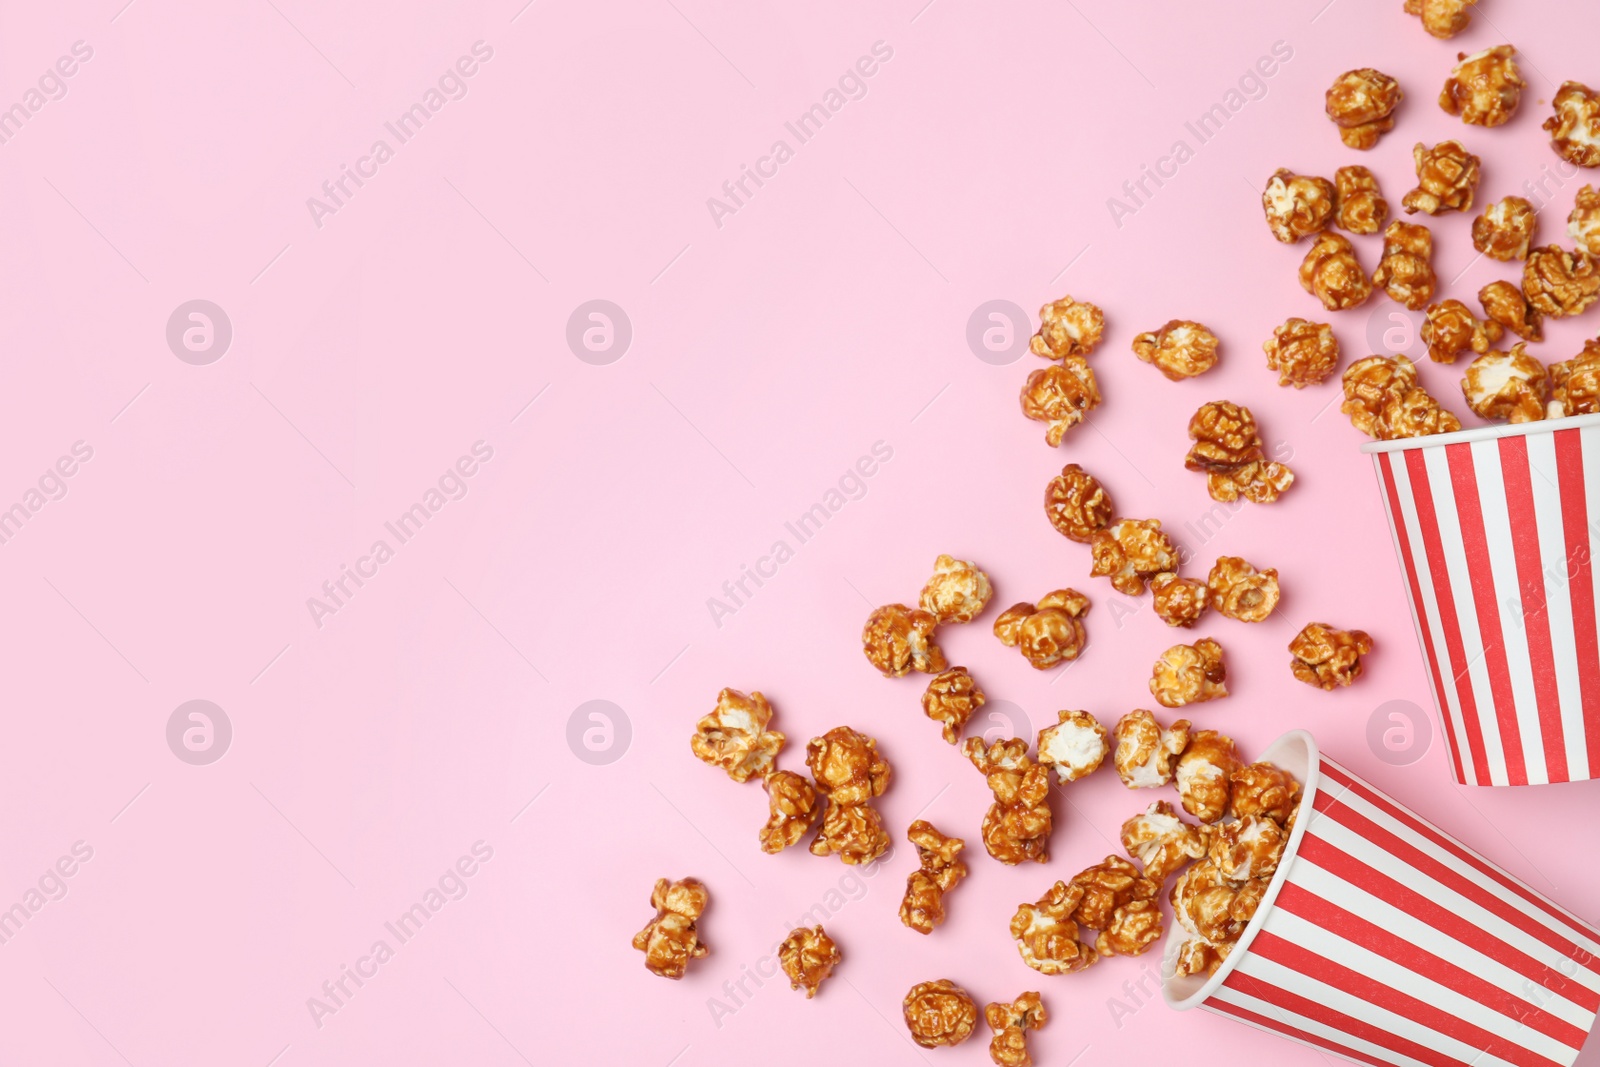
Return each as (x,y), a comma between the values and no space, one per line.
(1308,793)
(1483,433)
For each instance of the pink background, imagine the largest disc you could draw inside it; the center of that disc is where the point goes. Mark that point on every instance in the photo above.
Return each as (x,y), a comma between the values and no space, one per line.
(768,354)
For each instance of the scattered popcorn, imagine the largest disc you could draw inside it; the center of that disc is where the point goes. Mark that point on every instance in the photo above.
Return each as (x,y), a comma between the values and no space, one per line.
(1047,936)
(847,766)
(853,832)
(1442,18)
(794,807)
(1061,395)
(1506,385)
(1302,352)
(672,939)
(1077,505)
(1011,1023)
(923,906)
(1361,103)
(1332,273)
(1189,674)
(808,957)
(940,1013)
(1485,87)
(1017,825)
(1179,350)
(1266,791)
(1068,327)
(1447,179)
(1075,746)
(898,640)
(1583,225)
(957,592)
(1384,401)
(1297,205)
(1178,601)
(1241,592)
(1417,414)
(1048,632)
(1451,329)
(1406,270)
(1129,552)
(1212,908)
(1575,127)
(1360,208)
(1247,848)
(1145,752)
(951,698)
(1121,903)
(1559,282)
(1506,307)
(1575,384)
(1204,774)
(1162,842)
(1325,656)
(1229,450)
(1505,229)
(734,736)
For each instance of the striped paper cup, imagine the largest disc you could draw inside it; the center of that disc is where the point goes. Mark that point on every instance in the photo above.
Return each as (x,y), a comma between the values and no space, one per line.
(1386,941)
(1496,530)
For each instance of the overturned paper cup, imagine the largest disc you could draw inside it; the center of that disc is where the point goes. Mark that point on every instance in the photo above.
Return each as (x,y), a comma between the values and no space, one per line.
(1384,940)
(1497,529)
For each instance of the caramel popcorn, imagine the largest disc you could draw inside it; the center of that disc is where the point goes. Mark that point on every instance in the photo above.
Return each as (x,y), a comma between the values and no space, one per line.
(1266,791)
(672,939)
(1361,103)
(1228,449)
(1189,674)
(1077,505)
(1297,205)
(1332,273)
(1247,848)
(1062,395)
(1417,414)
(957,592)
(1162,842)
(847,766)
(1302,352)
(1361,207)
(793,803)
(1442,18)
(1505,229)
(1325,656)
(898,640)
(1558,282)
(1068,327)
(1241,592)
(1178,601)
(1179,350)
(1145,752)
(1011,1023)
(1406,270)
(1121,903)
(853,832)
(1047,936)
(1575,127)
(1196,955)
(1575,384)
(1506,385)
(1484,88)
(808,957)
(923,906)
(1506,307)
(1047,632)
(1207,905)
(1204,774)
(1129,551)
(1075,746)
(1384,401)
(1447,179)
(940,1013)
(1583,225)
(1017,825)
(1451,329)
(951,698)
(734,736)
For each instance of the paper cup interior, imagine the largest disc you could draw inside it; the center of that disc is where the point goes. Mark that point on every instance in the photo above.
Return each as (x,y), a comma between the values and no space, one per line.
(1295,752)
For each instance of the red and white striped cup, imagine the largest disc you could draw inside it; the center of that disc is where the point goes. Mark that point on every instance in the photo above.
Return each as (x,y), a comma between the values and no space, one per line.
(1497,529)
(1384,940)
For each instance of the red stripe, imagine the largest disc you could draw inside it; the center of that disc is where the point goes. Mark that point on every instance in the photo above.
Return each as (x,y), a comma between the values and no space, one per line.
(1403,539)
(1480,573)
(1337,862)
(1422,499)
(1347,980)
(1246,1015)
(1351,927)
(1478,863)
(1518,478)
(1580,579)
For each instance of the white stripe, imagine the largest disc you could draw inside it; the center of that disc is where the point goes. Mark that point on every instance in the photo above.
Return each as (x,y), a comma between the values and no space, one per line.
(1310,1026)
(1490,480)
(1558,596)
